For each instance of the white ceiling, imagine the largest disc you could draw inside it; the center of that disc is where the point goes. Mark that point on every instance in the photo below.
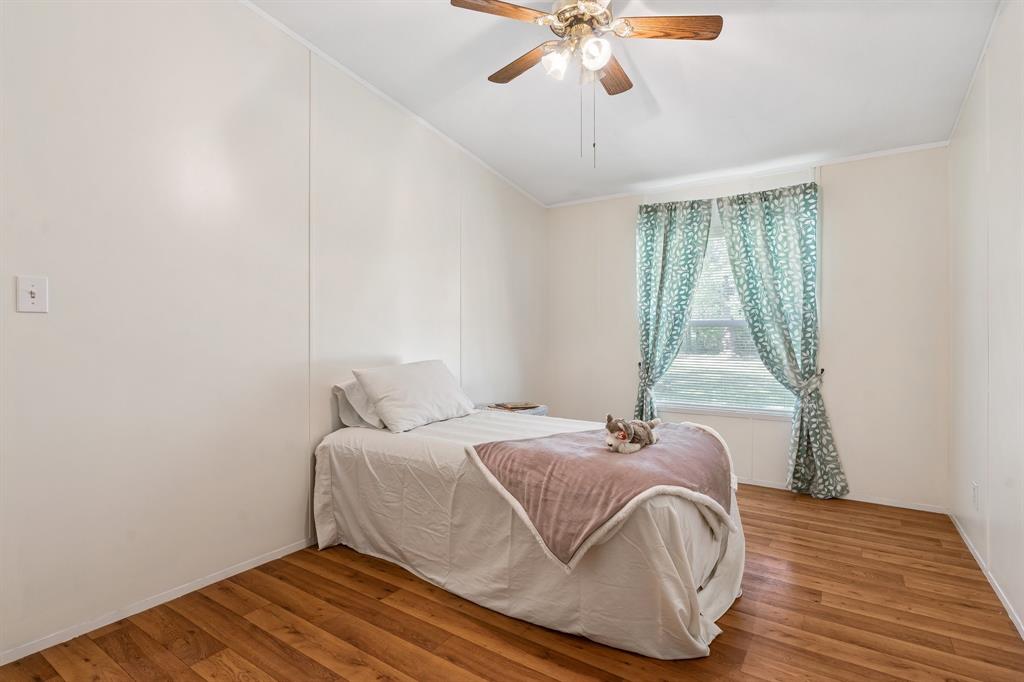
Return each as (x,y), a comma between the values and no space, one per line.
(786,83)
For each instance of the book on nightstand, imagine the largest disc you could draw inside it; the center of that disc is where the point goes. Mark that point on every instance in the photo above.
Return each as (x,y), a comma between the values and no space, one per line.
(516,406)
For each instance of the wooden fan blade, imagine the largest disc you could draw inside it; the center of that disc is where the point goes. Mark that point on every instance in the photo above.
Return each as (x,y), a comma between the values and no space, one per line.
(678,28)
(521,65)
(502,9)
(614,79)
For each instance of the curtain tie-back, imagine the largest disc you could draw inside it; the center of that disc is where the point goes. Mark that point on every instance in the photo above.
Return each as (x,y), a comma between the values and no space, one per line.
(811,385)
(645,373)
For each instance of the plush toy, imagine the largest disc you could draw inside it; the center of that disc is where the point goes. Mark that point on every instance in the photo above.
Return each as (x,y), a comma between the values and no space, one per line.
(628,436)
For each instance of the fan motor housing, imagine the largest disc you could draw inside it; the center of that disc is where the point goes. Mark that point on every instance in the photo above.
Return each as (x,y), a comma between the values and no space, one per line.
(573,15)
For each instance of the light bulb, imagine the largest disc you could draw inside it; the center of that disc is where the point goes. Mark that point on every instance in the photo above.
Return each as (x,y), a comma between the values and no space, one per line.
(555,63)
(595,52)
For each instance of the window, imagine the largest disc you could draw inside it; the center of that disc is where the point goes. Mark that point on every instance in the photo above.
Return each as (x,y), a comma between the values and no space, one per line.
(718,366)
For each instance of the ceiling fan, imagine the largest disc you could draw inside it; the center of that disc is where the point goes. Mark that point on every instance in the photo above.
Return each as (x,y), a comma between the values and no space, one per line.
(580,26)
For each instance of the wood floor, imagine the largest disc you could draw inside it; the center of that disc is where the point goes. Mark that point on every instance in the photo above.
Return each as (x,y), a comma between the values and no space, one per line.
(833,590)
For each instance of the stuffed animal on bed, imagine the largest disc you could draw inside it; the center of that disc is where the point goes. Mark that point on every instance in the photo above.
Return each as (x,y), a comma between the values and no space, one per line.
(628,436)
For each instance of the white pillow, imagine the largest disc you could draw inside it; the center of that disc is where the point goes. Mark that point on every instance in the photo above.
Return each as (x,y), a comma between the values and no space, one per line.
(347,413)
(360,404)
(411,395)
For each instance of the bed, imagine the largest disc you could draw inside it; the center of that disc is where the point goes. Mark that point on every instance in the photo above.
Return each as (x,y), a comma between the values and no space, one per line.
(655,584)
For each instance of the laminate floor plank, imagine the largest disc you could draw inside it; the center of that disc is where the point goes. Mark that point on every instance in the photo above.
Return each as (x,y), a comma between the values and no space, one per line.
(32,668)
(142,657)
(833,590)
(234,597)
(82,659)
(266,653)
(227,666)
(422,633)
(177,634)
(383,645)
(509,645)
(323,647)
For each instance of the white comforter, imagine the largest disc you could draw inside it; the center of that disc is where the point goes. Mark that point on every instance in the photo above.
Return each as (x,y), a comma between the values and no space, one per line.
(655,586)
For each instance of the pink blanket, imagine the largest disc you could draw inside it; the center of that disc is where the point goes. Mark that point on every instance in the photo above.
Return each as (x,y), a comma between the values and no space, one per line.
(572,487)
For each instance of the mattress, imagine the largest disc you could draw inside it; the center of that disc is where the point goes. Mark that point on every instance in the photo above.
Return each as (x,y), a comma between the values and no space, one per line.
(655,586)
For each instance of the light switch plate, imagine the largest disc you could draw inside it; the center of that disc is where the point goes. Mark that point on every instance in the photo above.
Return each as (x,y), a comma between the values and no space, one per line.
(33,295)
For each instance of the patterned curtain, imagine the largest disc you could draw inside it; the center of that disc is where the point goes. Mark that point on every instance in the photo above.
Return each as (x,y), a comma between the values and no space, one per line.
(670,243)
(772,238)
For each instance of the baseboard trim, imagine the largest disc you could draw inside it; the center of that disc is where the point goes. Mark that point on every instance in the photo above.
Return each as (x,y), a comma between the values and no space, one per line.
(936,509)
(148,603)
(1010,611)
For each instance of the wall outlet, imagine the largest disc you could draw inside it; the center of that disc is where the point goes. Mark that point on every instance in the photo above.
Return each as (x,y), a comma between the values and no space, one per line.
(976,496)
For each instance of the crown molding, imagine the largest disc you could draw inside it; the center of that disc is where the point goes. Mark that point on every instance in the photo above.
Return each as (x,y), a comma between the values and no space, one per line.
(746,172)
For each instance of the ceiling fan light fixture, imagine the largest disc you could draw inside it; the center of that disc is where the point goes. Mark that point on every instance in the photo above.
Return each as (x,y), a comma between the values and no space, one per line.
(556,62)
(580,26)
(595,52)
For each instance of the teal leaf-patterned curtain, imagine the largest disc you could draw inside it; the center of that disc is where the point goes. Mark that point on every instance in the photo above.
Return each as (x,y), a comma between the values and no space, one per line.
(772,239)
(670,243)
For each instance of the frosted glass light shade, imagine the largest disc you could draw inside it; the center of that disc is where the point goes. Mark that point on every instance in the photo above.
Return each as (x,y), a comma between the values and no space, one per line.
(555,63)
(595,52)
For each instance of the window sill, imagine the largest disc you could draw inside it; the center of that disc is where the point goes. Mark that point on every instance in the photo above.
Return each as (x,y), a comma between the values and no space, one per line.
(734,412)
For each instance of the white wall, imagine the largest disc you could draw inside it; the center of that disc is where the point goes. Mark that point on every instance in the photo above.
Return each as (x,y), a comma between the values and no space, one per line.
(154,422)
(987,217)
(157,424)
(459,249)
(503,297)
(884,227)
(885,324)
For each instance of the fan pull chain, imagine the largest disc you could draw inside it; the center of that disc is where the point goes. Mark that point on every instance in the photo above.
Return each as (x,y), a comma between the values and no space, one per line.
(581,120)
(593,89)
